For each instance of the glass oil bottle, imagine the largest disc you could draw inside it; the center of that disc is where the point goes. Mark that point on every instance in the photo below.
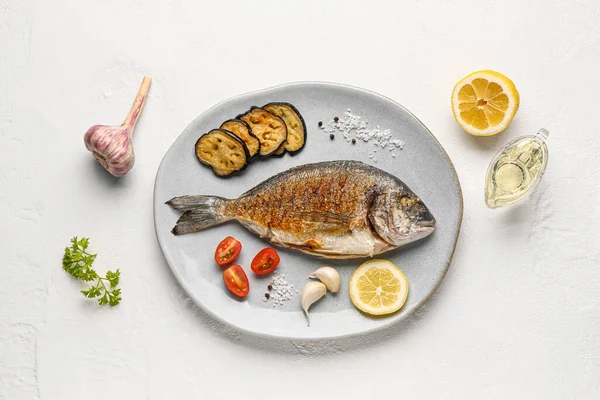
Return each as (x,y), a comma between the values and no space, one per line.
(516,170)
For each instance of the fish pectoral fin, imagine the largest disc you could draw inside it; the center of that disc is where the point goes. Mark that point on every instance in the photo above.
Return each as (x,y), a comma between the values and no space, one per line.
(307,245)
(311,244)
(326,253)
(325,217)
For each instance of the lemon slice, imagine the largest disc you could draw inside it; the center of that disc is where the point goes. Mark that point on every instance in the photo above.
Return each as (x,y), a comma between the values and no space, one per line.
(378,287)
(484,102)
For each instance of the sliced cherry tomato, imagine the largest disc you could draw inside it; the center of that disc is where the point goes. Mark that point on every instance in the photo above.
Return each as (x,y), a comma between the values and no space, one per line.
(236,280)
(227,251)
(265,261)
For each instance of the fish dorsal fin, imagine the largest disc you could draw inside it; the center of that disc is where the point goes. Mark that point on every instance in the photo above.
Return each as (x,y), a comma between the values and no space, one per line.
(252,191)
(325,217)
(285,175)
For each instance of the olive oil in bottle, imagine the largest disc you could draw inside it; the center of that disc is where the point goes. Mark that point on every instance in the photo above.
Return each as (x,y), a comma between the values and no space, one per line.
(516,170)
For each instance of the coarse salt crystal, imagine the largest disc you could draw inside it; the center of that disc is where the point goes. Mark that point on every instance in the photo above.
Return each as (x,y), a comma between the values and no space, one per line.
(353,126)
(281,291)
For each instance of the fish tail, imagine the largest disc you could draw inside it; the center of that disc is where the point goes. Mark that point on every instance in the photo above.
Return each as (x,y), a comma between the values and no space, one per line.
(199,212)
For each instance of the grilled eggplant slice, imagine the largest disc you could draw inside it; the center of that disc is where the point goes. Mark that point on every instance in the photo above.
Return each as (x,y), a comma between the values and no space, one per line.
(223,151)
(242,130)
(280,151)
(268,128)
(296,128)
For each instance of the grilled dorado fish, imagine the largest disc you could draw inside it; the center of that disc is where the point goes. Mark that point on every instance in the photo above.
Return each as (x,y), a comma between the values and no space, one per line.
(335,209)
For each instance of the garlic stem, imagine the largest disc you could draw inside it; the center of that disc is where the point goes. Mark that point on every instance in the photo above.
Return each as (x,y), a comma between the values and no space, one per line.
(138,104)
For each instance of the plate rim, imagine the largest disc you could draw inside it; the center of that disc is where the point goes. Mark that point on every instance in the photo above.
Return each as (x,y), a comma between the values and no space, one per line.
(238,328)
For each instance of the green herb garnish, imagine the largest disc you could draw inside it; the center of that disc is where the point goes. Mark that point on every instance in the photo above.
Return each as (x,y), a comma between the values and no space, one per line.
(78,263)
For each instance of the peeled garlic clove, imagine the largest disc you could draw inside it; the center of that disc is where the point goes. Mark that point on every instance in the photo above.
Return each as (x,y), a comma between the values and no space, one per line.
(111,145)
(311,292)
(329,276)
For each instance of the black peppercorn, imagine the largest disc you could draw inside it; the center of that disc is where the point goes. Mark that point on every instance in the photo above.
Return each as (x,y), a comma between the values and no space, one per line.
(267,295)
(353,141)
(336,119)
(320,124)
(270,287)
(332,136)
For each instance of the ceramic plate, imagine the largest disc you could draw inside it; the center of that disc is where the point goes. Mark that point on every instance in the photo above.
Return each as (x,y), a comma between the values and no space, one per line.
(423,165)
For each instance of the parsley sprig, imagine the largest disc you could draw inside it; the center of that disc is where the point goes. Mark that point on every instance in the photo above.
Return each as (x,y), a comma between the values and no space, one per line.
(78,263)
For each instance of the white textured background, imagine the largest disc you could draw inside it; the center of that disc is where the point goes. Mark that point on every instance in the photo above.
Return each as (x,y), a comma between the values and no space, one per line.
(518,315)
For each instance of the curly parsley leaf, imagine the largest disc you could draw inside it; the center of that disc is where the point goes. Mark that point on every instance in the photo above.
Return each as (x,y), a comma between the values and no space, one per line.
(113,278)
(92,292)
(78,263)
(110,297)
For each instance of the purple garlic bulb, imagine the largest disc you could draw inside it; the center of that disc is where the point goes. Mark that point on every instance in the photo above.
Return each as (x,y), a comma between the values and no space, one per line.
(112,145)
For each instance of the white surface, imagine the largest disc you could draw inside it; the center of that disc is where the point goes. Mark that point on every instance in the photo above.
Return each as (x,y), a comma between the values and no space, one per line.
(517,315)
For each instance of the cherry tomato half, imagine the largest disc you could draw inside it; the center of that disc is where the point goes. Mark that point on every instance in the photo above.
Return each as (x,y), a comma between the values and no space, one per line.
(265,261)
(236,280)
(227,251)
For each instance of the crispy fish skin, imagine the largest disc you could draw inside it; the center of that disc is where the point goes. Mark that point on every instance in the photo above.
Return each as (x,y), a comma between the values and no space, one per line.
(337,209)
(306,198)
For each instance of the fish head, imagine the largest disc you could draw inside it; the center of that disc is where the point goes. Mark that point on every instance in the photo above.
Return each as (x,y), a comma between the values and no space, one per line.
(400,217)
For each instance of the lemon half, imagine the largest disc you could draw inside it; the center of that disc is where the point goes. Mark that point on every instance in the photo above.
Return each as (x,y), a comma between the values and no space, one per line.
(378,287)
(484,102)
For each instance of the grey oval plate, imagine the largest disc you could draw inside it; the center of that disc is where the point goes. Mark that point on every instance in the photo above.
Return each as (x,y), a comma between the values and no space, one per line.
(423,165)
